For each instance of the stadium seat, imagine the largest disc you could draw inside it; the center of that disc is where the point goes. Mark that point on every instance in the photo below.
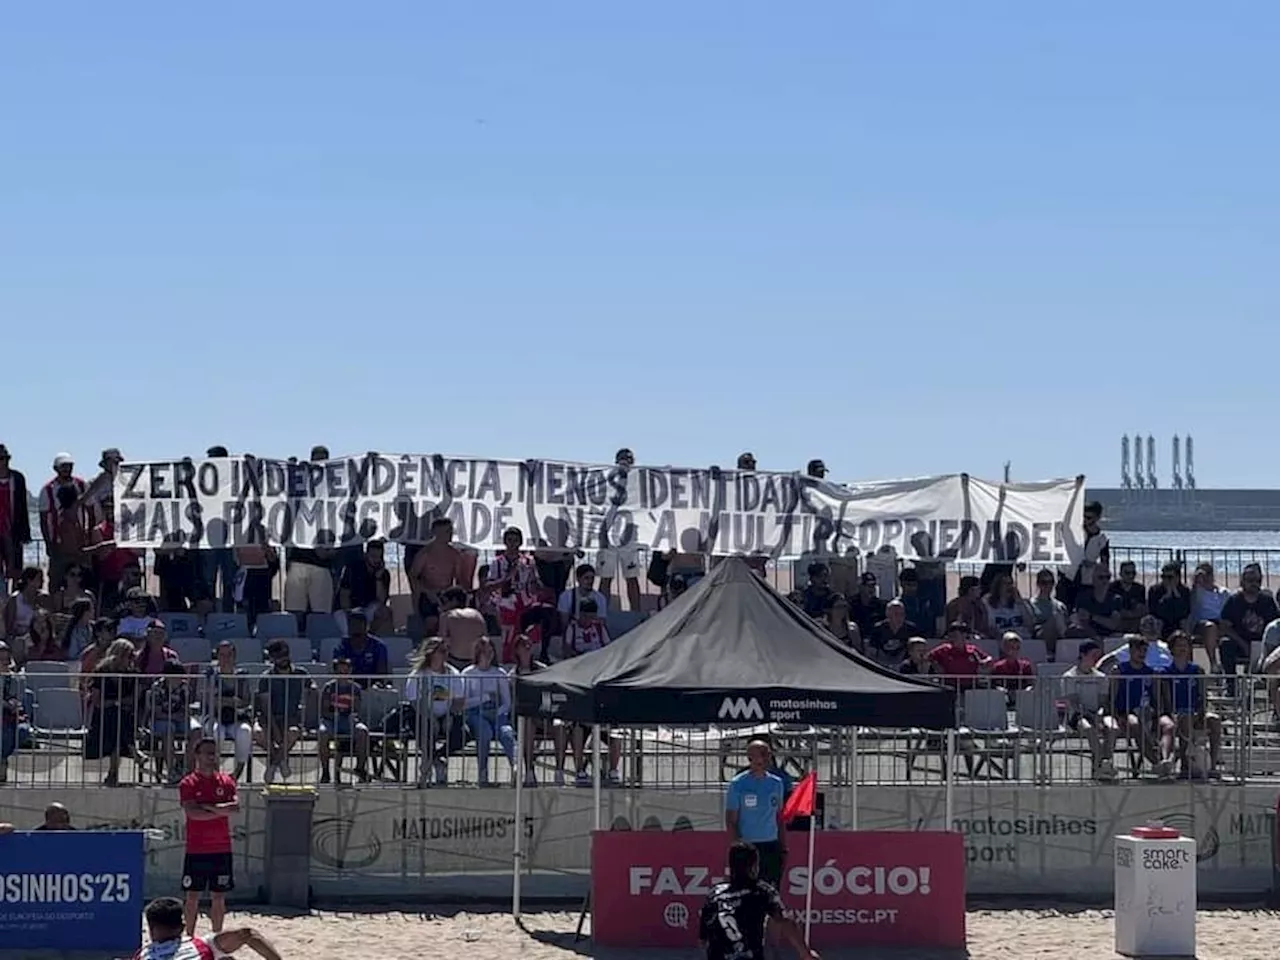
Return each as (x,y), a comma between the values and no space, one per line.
(59,712)
(326,648)
(191,649)
(271,626)
(1037,651)
(181,624)
(1068,651)
(322,625)
(226,626)
(49,666)
(1052,670)
(621,621)
(301,650)
(398,650)
(248,649)
(415,628)
(38,679)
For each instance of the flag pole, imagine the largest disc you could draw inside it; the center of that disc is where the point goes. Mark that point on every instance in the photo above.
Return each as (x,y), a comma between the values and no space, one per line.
(808,890)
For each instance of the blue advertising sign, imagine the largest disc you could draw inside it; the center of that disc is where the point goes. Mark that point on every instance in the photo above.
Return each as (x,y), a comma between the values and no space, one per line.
(71,890)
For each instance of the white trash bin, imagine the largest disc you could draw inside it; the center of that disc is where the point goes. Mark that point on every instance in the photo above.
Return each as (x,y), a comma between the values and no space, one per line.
(1155,893)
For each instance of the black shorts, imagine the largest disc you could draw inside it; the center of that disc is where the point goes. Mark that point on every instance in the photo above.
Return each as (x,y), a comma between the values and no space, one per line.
(770,862)
(208,871)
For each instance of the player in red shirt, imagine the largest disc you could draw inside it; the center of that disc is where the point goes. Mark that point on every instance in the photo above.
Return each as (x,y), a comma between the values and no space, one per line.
(168,942)
(209,798)
(957,658)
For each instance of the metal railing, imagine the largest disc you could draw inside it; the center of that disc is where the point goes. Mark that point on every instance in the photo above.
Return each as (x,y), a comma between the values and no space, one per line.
(60,727)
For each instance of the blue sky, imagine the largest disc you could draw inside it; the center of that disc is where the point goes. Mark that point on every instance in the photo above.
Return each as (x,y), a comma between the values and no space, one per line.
(906,237)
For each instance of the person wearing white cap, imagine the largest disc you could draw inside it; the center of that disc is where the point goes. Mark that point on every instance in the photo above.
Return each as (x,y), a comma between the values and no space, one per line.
(50,510)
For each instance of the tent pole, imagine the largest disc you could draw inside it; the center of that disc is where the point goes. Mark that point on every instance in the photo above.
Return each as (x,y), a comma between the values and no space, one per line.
(522,731)
(951,780)
(853,777)
(595,773)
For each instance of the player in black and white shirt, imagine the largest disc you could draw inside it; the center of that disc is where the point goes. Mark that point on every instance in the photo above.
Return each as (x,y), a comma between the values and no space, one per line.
(733,919)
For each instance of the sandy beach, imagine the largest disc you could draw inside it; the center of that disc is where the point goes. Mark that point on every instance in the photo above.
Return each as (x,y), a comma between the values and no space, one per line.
(1027,934)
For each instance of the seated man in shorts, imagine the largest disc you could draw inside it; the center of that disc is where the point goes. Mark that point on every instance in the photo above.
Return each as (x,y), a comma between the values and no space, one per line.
(1084,689)
(169,942)
(340,721)
(282,690)
(1135,702)
(1184,697)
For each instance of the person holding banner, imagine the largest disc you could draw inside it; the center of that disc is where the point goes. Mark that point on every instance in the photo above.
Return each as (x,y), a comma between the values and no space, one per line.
(753,811)
(732,922)
(169,942)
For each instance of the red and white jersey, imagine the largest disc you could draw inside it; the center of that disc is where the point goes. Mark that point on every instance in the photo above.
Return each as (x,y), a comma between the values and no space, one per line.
(582,637)
(186,948)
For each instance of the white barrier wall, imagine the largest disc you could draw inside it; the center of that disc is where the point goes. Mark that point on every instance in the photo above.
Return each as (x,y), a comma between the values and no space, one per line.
(1019,840)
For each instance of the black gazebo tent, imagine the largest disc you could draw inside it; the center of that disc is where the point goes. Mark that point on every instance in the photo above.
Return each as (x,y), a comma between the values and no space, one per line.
(731,651)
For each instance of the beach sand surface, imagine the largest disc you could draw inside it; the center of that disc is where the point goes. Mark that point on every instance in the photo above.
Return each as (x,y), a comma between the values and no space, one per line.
(477,934)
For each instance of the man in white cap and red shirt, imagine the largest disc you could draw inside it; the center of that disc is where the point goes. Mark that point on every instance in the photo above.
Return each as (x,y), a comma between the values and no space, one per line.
(50,511)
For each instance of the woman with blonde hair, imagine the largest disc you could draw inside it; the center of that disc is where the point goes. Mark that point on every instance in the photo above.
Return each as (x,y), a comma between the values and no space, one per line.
(434,692)
(487,696)
(113,691)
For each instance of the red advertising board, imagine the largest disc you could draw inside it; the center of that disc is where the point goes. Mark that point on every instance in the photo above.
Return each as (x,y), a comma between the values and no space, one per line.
(873,888)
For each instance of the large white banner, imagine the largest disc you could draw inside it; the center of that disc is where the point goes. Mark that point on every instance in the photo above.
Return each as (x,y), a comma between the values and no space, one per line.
(233,502)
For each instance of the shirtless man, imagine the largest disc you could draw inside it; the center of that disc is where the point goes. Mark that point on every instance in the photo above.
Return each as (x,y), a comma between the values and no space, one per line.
(460,626)
(438,566)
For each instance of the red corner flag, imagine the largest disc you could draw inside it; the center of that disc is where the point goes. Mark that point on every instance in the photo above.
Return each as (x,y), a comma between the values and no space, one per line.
(802,799)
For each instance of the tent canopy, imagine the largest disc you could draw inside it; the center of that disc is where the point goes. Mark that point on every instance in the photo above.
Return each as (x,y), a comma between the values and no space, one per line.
(731,650)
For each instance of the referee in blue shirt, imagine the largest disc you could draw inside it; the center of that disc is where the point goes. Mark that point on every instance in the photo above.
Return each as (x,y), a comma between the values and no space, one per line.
(753,811)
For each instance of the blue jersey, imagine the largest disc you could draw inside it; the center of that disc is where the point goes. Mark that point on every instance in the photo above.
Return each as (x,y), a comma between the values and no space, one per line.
(1133,687)
(1186,688)
(757,802)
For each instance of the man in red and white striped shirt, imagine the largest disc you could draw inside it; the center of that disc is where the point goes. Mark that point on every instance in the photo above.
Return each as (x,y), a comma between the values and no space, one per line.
(168,942)
(50,511)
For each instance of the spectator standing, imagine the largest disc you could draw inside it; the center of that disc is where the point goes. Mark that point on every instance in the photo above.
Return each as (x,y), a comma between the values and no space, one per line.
(1094,551)
(1084,689)
(1169,601)
(51,508)
(67,549)
(366,584)
(15,522)
(1133,597)
(866,609)
(116,569)
(15,707)
(217,565)
(461,625)
(176,569)
(436,567)
(257,567)
(308,579)
(931,570)
(538,730)
(209,797)
(1244,619)
(516,585)
(753,811)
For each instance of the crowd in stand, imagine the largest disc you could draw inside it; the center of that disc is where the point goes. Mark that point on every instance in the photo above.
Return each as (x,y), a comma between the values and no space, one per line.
(162,671)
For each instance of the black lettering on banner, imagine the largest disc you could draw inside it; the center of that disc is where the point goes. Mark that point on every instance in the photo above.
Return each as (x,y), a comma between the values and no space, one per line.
(131,522)
(158,481)
(656,491)
(129,477)
(207,479)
